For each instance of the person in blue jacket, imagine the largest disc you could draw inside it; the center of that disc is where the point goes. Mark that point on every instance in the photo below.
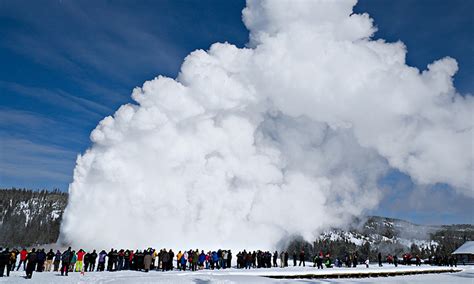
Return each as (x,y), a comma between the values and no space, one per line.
(201,259)
(215,260)
(184,259)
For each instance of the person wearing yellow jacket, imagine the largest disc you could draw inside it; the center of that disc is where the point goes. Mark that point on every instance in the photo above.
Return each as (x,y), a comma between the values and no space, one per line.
(178,260)
(154,256)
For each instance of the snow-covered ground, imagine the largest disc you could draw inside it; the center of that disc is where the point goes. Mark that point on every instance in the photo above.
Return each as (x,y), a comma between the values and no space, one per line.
(246,276)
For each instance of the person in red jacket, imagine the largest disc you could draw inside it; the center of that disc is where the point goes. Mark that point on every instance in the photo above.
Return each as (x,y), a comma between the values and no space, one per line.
(80,260)
(23,255)
(130,260)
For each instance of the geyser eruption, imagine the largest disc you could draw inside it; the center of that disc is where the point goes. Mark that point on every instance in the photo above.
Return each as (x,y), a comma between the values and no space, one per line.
(288,136)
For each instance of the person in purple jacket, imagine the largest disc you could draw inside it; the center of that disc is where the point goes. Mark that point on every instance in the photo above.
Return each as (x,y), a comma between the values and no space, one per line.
(101,265)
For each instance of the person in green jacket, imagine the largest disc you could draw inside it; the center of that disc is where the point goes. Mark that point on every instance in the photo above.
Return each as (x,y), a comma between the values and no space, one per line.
(195,259)
(73,261)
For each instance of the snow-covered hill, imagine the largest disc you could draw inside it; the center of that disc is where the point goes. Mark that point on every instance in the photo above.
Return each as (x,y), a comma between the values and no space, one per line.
(30,217)
(388,235)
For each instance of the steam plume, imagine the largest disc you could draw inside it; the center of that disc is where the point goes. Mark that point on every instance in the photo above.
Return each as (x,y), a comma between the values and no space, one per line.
(288,136)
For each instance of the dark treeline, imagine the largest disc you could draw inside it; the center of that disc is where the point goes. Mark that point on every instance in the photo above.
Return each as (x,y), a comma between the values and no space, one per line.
(30,217)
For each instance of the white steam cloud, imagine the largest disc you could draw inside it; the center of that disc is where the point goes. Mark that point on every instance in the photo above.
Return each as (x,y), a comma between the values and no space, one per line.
(287,136)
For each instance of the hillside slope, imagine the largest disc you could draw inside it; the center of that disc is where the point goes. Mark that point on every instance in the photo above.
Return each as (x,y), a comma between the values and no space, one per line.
(30,217)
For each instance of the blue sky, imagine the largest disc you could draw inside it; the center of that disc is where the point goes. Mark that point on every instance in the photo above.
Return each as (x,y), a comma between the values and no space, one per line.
(67,64)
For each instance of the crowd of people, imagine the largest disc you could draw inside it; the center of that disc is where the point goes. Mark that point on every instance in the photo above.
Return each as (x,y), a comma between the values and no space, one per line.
(150,259)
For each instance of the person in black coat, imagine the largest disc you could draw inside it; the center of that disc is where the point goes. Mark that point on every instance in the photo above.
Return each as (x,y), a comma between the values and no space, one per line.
(92,260)
(170,261)
(355,260)
(275,258)
(40,260)
(65,261)
(31,264)
(57,260)
(126,260)
(49,260)
(229,259)
(87,261)
(110,260)
(4,259)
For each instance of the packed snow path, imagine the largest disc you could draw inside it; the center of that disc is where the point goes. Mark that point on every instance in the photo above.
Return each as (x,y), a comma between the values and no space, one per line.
(466,275)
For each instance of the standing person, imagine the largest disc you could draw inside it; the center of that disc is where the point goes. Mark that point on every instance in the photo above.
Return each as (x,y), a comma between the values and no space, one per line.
(164,260)
(49,260)
(80,260)
(4,259)
(301,258)
(92,259)
(355,260)
(229,259)
(379,256)
(214,260)
(115,260)
(72,264)
(23,255)
(126,260)
(87,261)
(254,259)
(367,263)
(249,260)
(282,259)
(178,260)
(57,260)
(224,259)
(30,267)
(147,261)
(275,257)
(101,265)
(195,259)
(395,260)
(320,261)
(183,260)
(65,261)
(110,261)
(208,260)
(131,260)
(121,255)
(294,258)
(202,259)
(40,259)
(12,261)
(170,262)
(139,260)
(154,254)
(219,258)
(160,260)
